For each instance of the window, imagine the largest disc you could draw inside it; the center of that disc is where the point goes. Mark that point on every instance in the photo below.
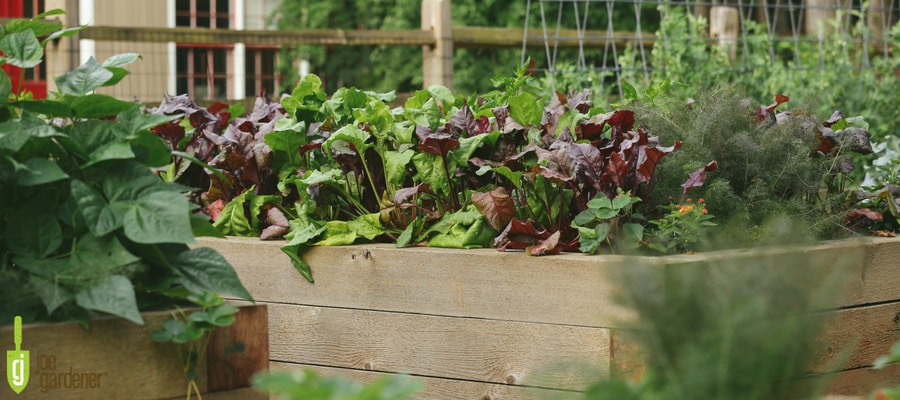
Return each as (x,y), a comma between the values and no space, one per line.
(202,72)
(213,72)
(213,14)
(261,70)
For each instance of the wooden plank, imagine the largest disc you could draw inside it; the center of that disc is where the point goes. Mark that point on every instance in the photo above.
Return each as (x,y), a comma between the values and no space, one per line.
(442,389)
(461,36)
(409,37)
(512,353)
(863,381)
(238,351)
(571,289)
(118,359)
(437,59)
(232,394)
(114,359)
(857,336)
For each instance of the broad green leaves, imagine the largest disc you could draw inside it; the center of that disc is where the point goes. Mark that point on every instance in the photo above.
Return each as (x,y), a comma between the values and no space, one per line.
(83,80)
(86,225)
(21,49)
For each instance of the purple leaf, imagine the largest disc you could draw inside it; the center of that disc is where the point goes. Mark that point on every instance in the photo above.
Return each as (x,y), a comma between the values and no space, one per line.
(698,177)
(496,206)
(649,158)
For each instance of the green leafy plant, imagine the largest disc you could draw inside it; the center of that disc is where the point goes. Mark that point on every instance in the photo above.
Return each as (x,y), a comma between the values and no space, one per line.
(732,328)
(309,385)
(682,227)
(86,225)
(191,330)
(600,223)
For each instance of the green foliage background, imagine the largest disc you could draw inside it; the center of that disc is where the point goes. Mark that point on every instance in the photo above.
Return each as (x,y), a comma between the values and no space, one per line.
(385,68)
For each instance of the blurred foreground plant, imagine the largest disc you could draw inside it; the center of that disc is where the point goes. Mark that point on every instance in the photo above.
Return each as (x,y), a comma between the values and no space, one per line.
(735,328)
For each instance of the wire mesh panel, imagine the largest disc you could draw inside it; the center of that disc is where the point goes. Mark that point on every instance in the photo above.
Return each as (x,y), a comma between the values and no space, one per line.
(614,40)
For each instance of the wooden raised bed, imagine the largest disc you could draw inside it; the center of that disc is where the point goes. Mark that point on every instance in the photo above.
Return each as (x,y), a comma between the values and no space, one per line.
(117,359)
(481,324)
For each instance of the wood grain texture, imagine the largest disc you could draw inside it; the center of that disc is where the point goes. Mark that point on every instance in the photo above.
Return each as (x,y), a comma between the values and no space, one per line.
(443,389)
(512,353)
(864,381)
(857,336)
(239,350)
(117,359)
(569,289)
(231,394)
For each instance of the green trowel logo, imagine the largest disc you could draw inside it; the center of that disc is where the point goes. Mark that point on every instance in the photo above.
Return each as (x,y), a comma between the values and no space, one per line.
(17,361)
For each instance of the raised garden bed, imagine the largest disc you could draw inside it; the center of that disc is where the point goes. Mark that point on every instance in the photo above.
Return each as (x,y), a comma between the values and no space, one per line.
(117,359)
(486,324)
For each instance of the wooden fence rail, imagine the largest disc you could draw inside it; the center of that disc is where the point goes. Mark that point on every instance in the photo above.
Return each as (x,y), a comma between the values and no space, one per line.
(463,37)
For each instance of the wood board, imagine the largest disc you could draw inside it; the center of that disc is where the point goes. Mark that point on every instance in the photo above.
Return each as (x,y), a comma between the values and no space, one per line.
(117,359)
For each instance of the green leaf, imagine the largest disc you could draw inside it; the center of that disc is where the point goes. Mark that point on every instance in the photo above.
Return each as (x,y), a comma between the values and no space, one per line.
(412,231)
(114,295)
(173,330)
(442,94)
(32,231)
(222,315)
(159,217)
(5,88)
(232,220)
(52,294)
(39,28)
(431,170)
(463,229)
(427,115)
(395,165)
(14,134)
(84,79)
(367,226)
(50,108)
(337,233)
(94,106)
(122,59)
(294,252)
(525,109)
(201,227)
(39,171)
(71,31)
(118,75)
(21,49)
(623,200)
(284,145)
(633,234)
(350,134)
(600,202)
(629,91)
(99,218)
(110,151)
(205,270)
(135,120)
(150,149)
(94,256)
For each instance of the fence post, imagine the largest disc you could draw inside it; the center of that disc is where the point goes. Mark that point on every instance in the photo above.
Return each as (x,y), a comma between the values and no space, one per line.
(437,60)
(724,26)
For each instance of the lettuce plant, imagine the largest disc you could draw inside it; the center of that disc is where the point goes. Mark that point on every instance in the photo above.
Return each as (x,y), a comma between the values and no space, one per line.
(86,225)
